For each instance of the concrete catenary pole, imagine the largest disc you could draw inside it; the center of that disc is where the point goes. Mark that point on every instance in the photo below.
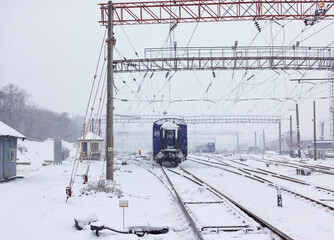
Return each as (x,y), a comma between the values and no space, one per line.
(290,134)
(264,143)
(315,132)
(110,97)
(279,138)
(298,132)
(237,142)
(255,141)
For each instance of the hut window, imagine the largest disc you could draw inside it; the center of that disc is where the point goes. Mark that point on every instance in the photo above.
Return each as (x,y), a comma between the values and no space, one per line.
(12,155)
(94,147)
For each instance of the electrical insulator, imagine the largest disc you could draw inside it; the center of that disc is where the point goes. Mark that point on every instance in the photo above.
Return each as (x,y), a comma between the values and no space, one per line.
(173,26)
(152,74)
(167,75)
(213,74)
(257,25)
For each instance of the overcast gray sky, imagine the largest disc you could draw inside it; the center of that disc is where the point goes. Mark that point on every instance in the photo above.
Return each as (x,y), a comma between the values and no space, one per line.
(50,48)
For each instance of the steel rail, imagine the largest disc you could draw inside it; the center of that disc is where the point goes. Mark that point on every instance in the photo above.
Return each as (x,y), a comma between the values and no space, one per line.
(265,181)
(295,165)
(280,176)
(261,221)
(183,208)
(284,177)
(177,198)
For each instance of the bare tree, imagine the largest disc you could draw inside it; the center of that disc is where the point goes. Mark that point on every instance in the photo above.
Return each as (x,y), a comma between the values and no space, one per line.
(12,104)
(36,123)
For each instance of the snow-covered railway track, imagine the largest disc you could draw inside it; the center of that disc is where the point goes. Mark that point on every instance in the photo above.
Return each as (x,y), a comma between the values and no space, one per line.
(247,169)
(235,217)
(242,208)
(262,179)
(316,168)
(230,217)
(284,177)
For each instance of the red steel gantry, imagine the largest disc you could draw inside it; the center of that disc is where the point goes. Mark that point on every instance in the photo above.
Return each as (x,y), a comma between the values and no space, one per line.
(185,11)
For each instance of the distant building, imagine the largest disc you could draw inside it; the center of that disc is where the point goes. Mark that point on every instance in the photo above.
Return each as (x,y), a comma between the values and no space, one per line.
(325,148)
(8,151)
(321,144)
(90,146)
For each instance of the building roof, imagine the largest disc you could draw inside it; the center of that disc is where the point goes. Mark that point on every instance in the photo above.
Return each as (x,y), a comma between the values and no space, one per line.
(91,137)
(6,130)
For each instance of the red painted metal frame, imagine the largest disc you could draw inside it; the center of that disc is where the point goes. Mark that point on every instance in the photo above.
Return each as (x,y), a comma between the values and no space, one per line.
(185,11)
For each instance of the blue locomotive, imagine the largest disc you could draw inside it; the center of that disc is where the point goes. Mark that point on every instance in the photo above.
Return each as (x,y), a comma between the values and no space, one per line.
(209,147)
(170,140)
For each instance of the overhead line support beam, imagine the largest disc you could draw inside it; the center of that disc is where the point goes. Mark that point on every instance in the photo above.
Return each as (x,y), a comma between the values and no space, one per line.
(132,13)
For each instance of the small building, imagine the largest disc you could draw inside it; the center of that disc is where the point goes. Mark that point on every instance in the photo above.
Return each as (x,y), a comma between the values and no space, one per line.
(325,148)
(8,151)
(90,146)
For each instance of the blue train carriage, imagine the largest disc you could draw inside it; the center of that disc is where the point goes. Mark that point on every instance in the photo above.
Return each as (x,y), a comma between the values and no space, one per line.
(206,148)
(170,140)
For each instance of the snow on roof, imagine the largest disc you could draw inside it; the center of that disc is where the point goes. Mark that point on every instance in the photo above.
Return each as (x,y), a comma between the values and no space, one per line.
(169,126)
(174,120)
(6,130)
(91,136)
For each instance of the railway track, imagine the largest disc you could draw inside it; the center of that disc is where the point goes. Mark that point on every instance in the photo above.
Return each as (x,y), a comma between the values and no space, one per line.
(284,177)
(254,175)
(241,218)
(316,168)
(273,174)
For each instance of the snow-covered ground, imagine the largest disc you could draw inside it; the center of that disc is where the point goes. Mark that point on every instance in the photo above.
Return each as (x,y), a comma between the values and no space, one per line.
(34,207)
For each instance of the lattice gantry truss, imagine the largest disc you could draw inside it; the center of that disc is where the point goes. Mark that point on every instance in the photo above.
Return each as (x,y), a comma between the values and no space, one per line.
(180,11)
(201,119)
(230,58)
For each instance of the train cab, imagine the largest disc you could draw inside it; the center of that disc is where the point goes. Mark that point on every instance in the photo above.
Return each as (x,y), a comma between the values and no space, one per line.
(169,140)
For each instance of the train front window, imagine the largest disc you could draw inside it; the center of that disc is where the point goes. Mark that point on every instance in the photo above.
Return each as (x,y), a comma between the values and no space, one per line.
(170,139)
(170,135)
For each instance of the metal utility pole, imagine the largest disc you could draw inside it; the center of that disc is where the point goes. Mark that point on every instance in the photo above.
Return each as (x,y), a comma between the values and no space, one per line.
(290,134)
(264,143)
(237,142)
(315,132)
(109,155)
(279,138)
(99,132)
(255,141)
(298,132)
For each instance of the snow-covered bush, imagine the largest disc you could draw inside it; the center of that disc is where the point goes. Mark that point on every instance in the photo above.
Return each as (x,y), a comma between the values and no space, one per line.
(101,186)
